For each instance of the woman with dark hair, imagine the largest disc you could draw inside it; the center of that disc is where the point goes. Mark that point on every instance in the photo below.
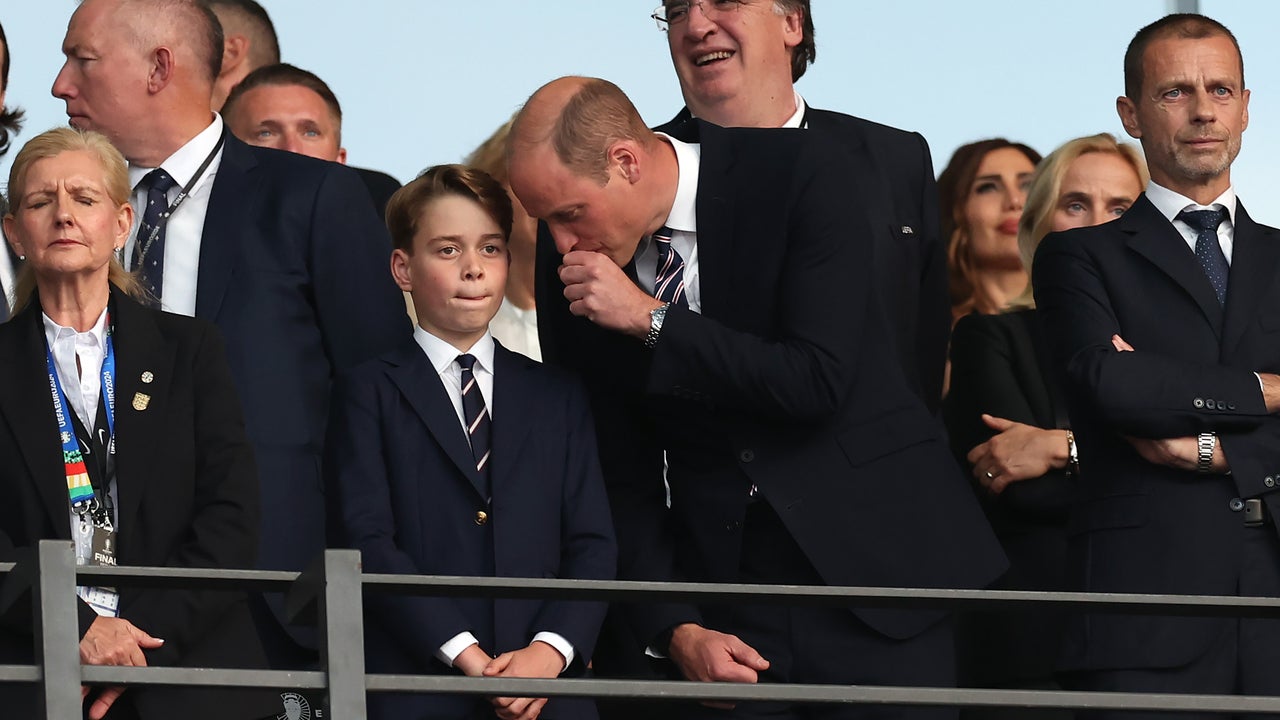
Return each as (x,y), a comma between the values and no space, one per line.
(981,193)
(10,118)
(1006,416)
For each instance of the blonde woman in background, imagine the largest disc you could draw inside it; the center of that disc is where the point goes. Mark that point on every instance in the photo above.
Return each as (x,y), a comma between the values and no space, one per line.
(516,324)
(1008,422)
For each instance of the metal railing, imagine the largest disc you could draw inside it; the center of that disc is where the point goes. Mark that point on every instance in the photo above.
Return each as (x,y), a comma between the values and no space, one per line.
(332,591)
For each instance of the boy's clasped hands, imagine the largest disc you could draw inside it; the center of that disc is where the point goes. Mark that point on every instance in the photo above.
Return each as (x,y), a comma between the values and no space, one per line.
(538,660)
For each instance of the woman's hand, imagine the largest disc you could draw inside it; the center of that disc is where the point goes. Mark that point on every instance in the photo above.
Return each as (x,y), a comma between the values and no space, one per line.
(1018,452)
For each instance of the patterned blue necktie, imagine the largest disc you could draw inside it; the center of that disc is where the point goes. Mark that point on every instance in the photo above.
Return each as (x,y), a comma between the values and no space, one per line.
(1208,249)
(148,257)
(668,284)
(477,417)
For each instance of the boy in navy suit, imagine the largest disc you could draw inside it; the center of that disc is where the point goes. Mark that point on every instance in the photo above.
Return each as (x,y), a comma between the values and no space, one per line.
(425,478)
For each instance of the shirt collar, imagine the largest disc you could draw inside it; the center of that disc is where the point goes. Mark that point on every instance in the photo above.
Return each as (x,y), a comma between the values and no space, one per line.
(182,165)
(1170,203)
(684,210)
(98,333)
(797,119)
(442,354)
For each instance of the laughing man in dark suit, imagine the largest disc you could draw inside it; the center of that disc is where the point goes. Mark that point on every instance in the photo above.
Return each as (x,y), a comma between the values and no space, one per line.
(699,286)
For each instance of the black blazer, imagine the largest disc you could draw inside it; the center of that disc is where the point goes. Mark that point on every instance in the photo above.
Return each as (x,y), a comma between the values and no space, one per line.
(294,271)
(187,488)
(764,388)
(1138,527)
(900,205)
(1000,365)
(404,491)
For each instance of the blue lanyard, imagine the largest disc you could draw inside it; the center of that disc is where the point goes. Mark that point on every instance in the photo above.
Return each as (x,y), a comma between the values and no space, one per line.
(79,487)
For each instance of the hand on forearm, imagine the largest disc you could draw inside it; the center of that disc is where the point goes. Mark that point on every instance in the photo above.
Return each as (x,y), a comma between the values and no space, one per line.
(1179,453)
(1270,391)
(1019,452)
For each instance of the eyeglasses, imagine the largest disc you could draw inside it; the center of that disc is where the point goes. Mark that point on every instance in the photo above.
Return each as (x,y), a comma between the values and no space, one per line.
(676,13)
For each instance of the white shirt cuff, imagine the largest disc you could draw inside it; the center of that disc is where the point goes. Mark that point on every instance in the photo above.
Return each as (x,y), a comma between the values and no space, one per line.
(562,646)
(449,651)
(1262,388)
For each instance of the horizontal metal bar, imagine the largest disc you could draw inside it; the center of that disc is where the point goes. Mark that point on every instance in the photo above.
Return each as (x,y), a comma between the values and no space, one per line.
(19,673)
(203,677)
(203,578)
(795,595)
(847,694)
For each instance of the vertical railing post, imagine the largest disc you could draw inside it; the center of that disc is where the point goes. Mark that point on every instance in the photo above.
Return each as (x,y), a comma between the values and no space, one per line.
(57,629)
(342,633)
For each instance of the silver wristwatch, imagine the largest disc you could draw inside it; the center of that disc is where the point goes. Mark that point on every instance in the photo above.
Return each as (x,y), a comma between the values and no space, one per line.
(1205,444)
(656,316)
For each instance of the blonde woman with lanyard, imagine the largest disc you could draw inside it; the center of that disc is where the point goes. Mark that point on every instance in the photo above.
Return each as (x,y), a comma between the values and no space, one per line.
(121,431)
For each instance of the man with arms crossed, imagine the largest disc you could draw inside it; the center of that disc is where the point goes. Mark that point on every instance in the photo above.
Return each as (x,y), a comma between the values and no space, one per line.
(1163,321)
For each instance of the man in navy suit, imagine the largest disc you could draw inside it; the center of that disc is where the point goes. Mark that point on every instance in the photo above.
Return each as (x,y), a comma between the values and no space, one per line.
(1164,323)
(426,478)
(716,300)
(282,252)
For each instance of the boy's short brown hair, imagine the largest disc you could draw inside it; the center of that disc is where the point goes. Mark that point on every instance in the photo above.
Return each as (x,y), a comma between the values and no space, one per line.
(405,207)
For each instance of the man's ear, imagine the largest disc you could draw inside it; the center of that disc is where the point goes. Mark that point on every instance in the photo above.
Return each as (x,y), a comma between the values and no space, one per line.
(342,156)
(235,48)
(163,65)
(793,27)
(1128,113)
(625,156)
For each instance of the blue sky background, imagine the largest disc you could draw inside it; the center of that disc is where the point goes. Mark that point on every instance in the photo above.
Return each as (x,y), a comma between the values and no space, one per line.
(424,81)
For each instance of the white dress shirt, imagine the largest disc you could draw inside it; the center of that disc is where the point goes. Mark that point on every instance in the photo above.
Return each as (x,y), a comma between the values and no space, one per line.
(683,223)
(517,329)
(77,358)
(444,358)
(1170,203)
(186,225)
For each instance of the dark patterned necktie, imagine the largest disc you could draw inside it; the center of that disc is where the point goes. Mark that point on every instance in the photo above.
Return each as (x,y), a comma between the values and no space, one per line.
(1208,249)
(477,417)
(668,283)
(148,256)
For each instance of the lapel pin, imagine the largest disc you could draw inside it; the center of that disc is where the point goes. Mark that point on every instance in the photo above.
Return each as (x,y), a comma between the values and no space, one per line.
(908,230)
(140,401)
(147,376)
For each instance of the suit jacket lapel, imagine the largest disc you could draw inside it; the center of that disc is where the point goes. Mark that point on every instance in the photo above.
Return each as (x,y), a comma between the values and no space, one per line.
(235,188)
(141,408)
(1254,256)
(27,405)
(418,381)
(511,384)
(1155,238)
(715,218)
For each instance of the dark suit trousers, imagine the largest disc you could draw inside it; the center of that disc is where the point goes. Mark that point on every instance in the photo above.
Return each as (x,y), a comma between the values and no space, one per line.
(1243,659)
(821,645)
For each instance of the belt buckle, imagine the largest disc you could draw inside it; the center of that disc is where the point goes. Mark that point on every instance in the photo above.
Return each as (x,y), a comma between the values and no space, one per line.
(1255,513)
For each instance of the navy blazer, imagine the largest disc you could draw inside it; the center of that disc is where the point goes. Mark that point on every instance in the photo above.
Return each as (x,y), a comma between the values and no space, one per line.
(1139,527)
(787,380)
(404,491)
(294,271)
(187,489)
